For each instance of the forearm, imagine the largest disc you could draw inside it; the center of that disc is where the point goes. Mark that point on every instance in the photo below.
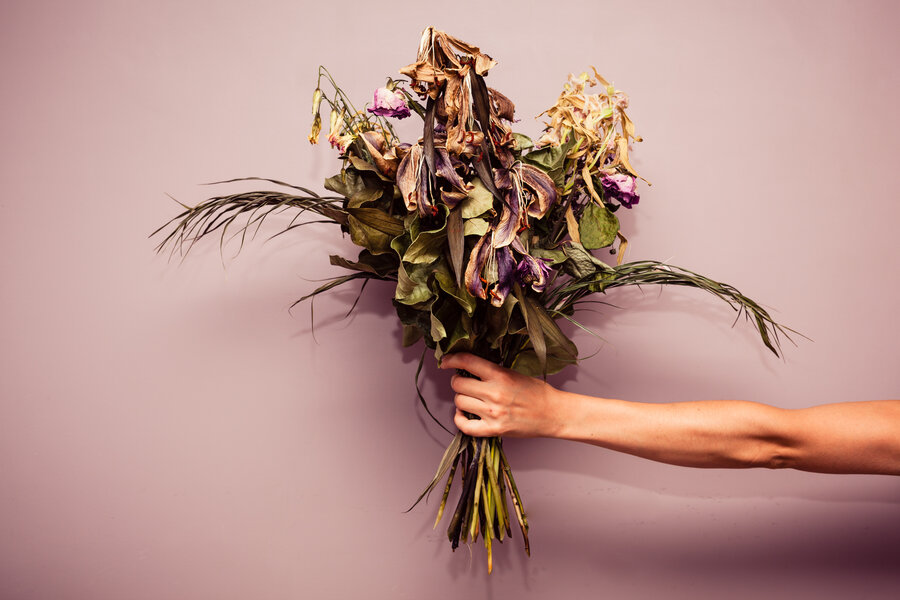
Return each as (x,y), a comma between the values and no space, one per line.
(848,437)
(839,438)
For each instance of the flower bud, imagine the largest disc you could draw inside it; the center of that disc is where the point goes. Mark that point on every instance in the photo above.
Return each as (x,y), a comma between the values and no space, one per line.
(317,101)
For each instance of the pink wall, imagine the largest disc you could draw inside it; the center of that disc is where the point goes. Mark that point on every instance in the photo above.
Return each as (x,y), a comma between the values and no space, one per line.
(170,431)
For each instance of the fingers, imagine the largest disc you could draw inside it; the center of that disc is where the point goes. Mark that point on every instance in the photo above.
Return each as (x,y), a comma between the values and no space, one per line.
(481,368)
(489,422)
(476,396)
(470,405)
(474,427)
(468,386)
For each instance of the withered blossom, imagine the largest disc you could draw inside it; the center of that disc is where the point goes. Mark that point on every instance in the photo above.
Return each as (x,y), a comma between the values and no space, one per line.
(389,103)
(597,122)
(621,188)
(534,272)
(338,135)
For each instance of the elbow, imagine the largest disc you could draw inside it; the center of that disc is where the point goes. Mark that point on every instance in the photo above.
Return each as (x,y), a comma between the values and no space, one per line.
(773,454)
(781,458)
(775,442)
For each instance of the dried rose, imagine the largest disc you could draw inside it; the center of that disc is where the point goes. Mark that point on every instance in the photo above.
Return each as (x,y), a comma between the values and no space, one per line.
(620,187)
(390,103)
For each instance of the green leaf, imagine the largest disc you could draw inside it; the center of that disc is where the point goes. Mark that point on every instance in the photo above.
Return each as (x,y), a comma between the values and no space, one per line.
(400,243)
(364,196)
(373,240)
(555,256)
(346,183)
(460,339)
(535,329)
(363,165)
(526,363)
(384,265)
(597,227)
(478,201)
(547,339)
(523,142)
(446,282)
(354,185)
(412,287)
(582,263)
(427,246)
(476,226)
(497,321)
(551,159)
(417,317)
(438,332)
(378,219)
(411,335)
(337,184)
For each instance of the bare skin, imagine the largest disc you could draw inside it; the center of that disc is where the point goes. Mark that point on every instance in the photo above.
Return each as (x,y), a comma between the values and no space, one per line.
(848,437)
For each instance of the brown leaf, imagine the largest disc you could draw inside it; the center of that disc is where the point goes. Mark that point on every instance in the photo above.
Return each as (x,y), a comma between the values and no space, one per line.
(456,241)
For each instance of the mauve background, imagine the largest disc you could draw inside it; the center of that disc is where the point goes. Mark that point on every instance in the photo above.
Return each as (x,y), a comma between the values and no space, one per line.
(171,431)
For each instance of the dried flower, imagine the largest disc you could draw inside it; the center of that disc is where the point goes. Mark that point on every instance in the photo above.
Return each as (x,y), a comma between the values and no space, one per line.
(534,272)
(390,103)
(338,137)
(316,128)
(621,188)
(317,101)
(597,122)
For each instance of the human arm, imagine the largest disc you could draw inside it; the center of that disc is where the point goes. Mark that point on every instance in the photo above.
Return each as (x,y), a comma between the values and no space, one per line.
(848,437)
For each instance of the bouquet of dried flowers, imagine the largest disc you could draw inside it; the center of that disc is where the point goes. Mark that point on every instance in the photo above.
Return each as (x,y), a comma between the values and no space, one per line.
(487,235)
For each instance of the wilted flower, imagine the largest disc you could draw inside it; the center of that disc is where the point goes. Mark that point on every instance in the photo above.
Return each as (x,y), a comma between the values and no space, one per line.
(506,276)
(390,103)
(316,129)
(621,188)
(317,118)
(383,154)
(597,122)
(337,136)
(534,272)
(317,101)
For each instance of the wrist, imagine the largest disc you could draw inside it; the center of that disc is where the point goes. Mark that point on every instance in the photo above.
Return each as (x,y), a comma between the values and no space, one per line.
(567,413)
(580,417)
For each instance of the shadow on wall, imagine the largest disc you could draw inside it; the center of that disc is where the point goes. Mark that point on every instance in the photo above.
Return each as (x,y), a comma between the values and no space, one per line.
(785,538)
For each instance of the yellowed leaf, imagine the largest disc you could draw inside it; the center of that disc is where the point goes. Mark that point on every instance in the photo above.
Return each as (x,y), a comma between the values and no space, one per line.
(572,224)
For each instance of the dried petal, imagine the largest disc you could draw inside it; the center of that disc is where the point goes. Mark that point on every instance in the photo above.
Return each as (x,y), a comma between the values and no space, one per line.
(477,261)
(444,169)
(501,105)
(506,275)
(544,190)
(506,230)
(408,176)
(374,143)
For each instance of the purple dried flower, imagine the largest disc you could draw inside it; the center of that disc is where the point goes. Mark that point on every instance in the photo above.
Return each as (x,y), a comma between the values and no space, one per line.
(534,272)
(506,275)
(619,187)
(390,103)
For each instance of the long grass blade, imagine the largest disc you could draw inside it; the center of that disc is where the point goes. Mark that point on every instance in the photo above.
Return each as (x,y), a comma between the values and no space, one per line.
(450,455)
